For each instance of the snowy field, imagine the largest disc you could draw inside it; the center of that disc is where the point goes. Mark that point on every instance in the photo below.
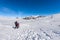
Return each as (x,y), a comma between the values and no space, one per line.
(42,28)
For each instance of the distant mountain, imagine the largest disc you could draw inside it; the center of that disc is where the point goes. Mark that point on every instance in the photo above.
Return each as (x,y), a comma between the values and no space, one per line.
(33,17)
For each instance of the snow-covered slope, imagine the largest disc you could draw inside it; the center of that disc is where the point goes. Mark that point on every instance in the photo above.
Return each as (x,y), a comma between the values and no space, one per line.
(42,28)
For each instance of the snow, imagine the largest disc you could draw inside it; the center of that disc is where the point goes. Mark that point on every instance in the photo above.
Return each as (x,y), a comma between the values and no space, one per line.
(42,28)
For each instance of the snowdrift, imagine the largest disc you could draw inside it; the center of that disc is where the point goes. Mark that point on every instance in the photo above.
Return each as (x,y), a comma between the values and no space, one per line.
(41,28)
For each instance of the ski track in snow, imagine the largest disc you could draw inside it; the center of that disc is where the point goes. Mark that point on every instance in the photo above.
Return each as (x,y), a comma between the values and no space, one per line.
(34,29)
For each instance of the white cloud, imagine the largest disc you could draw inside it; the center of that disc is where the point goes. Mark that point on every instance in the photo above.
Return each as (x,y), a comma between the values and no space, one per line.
(9,12)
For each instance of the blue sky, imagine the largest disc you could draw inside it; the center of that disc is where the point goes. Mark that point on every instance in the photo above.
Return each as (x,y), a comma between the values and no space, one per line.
(29,7)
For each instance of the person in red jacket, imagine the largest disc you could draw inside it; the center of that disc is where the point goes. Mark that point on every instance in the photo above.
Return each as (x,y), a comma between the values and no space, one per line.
(16,24)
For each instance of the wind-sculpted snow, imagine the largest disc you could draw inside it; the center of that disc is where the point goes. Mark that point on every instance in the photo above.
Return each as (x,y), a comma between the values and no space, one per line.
(45,28)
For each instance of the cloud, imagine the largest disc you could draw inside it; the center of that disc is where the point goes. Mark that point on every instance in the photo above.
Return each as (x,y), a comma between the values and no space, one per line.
(9,12)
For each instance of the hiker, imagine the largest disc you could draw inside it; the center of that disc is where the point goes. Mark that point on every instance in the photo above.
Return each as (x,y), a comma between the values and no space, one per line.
(16,24)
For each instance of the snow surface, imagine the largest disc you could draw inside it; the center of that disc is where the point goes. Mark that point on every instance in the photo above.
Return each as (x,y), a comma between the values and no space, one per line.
(43,28)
